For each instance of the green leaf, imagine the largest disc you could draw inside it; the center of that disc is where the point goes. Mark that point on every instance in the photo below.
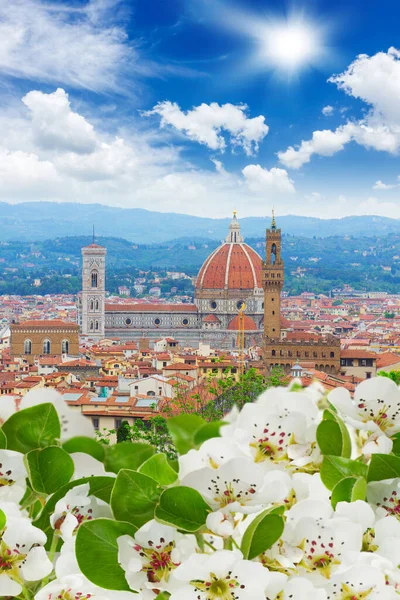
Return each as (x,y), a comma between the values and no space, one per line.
(335,468)
(396,444)
(182,507)
(86,445)
(208,431)
(3,520)
(134,497)
(49,469)
(349,489)
(126,455)
(333,437)
(162,596)
(182,430)
(97,552)
(31,428)
(101,487)
(383,466)
(261,534)
(174,464)
(3,439)
(157,468)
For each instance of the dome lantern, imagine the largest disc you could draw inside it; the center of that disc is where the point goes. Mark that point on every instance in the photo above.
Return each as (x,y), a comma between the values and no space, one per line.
(234,236)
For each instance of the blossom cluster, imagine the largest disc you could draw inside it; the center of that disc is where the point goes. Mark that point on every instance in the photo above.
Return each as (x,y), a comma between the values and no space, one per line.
(296,496)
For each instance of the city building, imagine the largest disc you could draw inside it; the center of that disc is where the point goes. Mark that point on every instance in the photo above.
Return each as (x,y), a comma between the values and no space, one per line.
(229,277)
(281,347)
(36,338)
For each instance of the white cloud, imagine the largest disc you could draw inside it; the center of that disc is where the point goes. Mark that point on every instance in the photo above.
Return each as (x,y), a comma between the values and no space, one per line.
(219,167)
(325,143)
(376,81)
(23,175)
(261,180)
(59,43)
(139,168)
(56,126)
(379,185)
(206,123)
(50,151)
(328,110)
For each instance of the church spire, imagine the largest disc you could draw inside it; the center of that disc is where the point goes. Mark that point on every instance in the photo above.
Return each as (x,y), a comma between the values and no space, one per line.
(234,236)
(273,223)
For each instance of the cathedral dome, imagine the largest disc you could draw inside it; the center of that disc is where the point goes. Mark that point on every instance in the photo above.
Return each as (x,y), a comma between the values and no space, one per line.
(234,265)
(248,324)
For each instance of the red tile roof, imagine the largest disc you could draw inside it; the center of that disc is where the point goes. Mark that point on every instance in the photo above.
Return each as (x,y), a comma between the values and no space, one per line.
(235,266)
(211,319)
(248,323)
(358,354)
(387,359)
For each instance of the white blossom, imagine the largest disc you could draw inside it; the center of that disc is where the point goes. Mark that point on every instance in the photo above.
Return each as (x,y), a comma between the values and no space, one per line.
(153,554)
(375,408)
(22,555)
(76,507)
(223,575)
(12,476)
(239,485)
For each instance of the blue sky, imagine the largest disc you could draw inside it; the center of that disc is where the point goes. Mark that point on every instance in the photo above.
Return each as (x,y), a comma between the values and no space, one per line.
(202,106)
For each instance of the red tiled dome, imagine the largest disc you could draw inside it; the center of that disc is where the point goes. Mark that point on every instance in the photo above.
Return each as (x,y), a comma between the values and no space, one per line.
(249,324)
(211,319)
(231,266)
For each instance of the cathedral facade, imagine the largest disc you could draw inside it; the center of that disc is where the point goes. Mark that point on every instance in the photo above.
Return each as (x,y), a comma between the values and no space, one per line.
(230,276)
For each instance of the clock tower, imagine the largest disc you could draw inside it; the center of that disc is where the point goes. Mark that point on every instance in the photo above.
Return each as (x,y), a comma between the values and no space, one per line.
(272,277)
(93,291)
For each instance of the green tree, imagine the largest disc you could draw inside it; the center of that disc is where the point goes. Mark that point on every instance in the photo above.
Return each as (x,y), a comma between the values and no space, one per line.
(123,432)
(393,375)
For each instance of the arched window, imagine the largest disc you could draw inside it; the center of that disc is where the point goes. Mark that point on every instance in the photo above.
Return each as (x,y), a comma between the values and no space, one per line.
(91,305)
(91,326)
(151,393)
(97,305)
(332,355)
(94,279)
(46,347)
(65,347)
(273,353)
(273,254)
(96,326)
(27,347)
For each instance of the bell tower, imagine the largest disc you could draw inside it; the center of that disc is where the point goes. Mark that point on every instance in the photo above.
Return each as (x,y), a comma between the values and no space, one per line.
(93,291)
(272,278)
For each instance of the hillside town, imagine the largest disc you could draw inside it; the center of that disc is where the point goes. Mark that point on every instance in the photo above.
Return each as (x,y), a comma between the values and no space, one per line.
(115,358)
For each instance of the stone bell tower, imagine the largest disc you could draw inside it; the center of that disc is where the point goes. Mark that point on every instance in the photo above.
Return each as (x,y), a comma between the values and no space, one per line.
(272,278)
(93,291)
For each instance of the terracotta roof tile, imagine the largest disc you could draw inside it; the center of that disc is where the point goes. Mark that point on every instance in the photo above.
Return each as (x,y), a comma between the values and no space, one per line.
(236,266)
(248,323)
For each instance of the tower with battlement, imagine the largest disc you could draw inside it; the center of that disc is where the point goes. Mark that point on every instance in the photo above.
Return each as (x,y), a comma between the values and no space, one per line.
(311,351)
(273,278)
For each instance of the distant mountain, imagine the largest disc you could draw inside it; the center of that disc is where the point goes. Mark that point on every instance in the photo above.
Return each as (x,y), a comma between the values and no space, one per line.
(35,221)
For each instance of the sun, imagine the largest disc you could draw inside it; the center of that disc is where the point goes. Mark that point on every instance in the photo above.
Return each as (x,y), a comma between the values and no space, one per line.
(290,44)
